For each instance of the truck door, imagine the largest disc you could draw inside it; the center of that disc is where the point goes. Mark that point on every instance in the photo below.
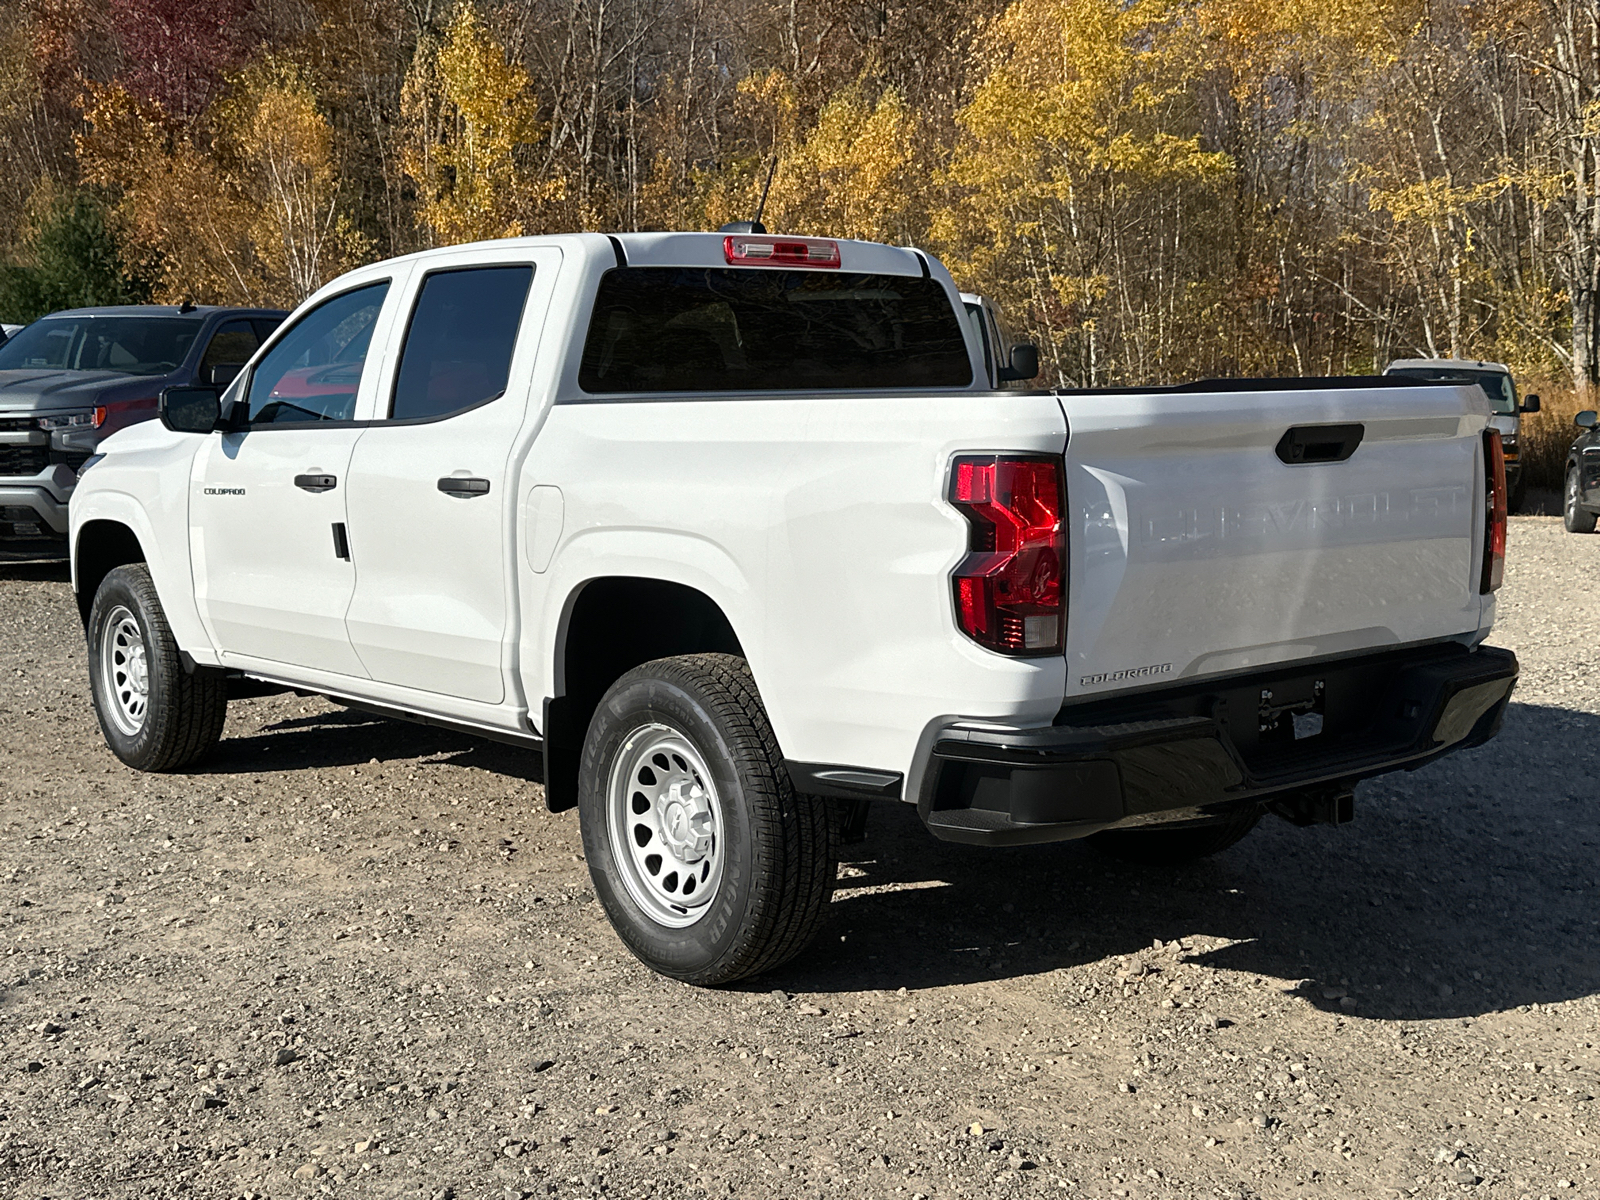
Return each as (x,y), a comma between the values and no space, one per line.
(267,503)
(430,499)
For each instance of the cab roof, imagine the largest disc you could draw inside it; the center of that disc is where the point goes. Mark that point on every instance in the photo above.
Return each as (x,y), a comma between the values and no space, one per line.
(162,310)
(699,249)
(1464,364)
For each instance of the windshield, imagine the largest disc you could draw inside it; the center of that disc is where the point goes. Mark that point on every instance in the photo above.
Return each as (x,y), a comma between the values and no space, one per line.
(132,345)
(671,329)
(1497,384)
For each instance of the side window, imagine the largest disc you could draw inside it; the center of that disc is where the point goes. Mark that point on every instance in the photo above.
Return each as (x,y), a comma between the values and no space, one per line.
(314,372)
(457,352)
(232,345)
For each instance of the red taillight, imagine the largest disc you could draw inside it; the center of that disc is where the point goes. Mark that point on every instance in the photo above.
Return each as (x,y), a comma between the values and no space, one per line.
(1494,525)
(751,250)
(1010,590)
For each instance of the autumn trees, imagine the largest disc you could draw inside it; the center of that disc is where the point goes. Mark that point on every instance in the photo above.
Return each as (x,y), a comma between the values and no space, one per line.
(1152,189)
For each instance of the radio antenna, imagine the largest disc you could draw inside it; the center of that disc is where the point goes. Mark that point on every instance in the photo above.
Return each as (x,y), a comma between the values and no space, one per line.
(756,226)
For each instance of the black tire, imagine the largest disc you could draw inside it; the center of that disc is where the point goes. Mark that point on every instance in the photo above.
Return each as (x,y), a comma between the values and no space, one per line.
(1518,496)
(1573,515)
(775,857)
(182,714)
(1173,847)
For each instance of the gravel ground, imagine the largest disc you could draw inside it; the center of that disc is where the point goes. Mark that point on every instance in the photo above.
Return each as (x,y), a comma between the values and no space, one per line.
(357,958)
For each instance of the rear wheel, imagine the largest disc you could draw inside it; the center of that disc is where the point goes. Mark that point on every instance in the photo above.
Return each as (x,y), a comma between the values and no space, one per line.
(154,715)
(710,866)
(1573,514)
(1172,847)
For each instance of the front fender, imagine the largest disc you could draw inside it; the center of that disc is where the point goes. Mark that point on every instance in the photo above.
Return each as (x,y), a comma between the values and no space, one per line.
(167,557)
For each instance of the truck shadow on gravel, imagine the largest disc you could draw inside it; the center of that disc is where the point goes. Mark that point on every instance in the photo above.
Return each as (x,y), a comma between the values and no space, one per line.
(1465,888)
(347,737)
(23,570)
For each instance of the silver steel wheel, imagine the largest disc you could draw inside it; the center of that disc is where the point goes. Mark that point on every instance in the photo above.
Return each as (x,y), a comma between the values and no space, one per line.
(665,823)
(125,671)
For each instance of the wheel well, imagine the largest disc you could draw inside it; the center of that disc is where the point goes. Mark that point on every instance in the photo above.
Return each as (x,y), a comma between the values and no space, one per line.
(102,547)
(615,625)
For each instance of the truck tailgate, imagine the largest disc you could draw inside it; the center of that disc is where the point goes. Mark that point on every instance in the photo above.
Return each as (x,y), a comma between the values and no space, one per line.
(1202,552)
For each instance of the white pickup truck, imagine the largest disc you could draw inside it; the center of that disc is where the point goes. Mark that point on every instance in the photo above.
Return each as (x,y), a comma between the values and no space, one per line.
(734,531)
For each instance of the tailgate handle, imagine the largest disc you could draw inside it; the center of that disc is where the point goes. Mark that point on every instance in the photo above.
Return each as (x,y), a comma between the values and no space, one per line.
(1302,445)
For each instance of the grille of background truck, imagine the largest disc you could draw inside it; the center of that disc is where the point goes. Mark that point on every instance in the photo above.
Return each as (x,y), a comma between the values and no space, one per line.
(23,460)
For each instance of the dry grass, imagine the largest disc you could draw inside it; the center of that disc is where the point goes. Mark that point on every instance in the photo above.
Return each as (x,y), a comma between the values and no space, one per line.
(1548,433)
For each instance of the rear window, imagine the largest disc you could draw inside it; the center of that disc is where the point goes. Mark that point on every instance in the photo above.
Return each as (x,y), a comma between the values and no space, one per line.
(697,329)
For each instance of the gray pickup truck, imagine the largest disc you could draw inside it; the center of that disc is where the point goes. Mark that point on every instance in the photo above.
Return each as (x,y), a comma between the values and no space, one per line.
(72,378)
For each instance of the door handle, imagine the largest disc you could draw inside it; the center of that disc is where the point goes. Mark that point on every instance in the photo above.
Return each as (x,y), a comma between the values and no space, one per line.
(316,483)
(455,485)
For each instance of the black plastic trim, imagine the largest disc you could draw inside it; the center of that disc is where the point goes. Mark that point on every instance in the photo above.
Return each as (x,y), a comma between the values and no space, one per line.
(1296,383)
(1187,755)
(526,741)
(846,783)
(616,247)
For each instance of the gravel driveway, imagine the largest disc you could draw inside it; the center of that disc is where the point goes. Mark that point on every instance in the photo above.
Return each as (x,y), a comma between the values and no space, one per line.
(357,958)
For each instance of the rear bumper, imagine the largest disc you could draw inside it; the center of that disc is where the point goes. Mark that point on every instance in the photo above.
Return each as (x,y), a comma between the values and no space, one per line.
(39,499)
(1197,752)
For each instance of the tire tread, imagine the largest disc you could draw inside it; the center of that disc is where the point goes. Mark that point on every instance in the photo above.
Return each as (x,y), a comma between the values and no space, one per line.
(183,730)
(795,857)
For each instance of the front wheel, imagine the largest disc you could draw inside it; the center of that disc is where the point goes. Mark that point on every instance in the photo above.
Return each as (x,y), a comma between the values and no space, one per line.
(154,715)
(1573,514)
(710,866)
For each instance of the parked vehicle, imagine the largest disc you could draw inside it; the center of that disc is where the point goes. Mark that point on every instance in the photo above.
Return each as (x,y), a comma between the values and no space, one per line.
(1496,382)
(73,378)
(1581,495)
(998,349)
(735,532)
(7,332)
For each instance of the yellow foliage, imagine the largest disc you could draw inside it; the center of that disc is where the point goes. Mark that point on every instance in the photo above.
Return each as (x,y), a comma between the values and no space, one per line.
(853,175)
(253,218)
(1083,115)
(19,79)
(284,149)
(182,218)
(468,113)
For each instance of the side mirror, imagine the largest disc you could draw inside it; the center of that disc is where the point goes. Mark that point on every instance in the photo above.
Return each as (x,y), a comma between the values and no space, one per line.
(225,373)
(190,409)
(1587,419)
(1024,363)
(1530,404)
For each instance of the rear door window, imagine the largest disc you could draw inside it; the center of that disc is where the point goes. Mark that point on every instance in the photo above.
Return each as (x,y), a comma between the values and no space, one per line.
(458,347)
(314,372)
(697,329)
(232,345)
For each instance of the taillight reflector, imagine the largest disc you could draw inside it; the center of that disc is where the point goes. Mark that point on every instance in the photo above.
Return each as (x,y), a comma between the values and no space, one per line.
(750,250)
(1494,525)
(1010,591)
